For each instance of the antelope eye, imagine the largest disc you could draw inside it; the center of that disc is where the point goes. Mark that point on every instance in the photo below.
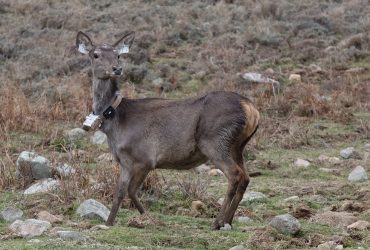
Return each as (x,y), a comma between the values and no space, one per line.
(96,55)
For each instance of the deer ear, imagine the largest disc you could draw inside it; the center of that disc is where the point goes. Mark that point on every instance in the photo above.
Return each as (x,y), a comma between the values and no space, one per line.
(124,43)
(83,43)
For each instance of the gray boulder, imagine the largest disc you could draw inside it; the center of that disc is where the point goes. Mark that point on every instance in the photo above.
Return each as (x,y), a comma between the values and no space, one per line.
(33,166)
(65,170)
(99,138)
(75,134)
(358,174)
(349,153)
(286,224)
(11,214)
(250,197)
(91,209)
(29,228)
(43,186)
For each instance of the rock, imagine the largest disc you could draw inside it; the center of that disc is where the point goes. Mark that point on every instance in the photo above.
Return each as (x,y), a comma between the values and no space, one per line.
(65,170)
(259,78)
(238,247)
(99,138)
(358,174)
(335,219)
(244,219)
(329,246)
(286,224)
(226,227)
(332,160)
(251,196)
(34,241)
(367,145)
(215,172)
(105,157)
(301,163)
(33,166)
(99,227)
(11,214)
(46,216)
(93,209)
(359,225)
(198,206)
(30,227)
(347,152)
(69,235)
(75,134)
(202,169)
(295,78)
(291,199)
(42,186)
(220,201)
(318,199)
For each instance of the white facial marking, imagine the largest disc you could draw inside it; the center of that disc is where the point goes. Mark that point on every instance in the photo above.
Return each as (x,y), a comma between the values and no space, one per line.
(124,49)
(82,49)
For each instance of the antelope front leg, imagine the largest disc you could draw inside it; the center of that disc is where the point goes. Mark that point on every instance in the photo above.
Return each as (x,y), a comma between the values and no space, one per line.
(118,196)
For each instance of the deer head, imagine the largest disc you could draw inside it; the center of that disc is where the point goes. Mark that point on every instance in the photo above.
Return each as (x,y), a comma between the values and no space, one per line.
(105,57)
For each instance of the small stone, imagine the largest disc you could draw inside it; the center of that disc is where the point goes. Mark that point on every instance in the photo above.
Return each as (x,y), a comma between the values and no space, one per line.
(220,201)
(46,216)
(347,152)
(11,214)
(43,186)
(251,196)
(99,138)
(108,157)
(226,227)
(75,134)
(327,245)
(100,227)
(65,170)
(291,199)
(269,71)
(358,174)
(302,163)
(367,146)
(286,224)
(215,172)
(93,209)
(70,235)
(244,219)
(202,169)
(198,206)
(295,78)
(359,225)
(33,166)
(238,247)
(30,227)
(332,160)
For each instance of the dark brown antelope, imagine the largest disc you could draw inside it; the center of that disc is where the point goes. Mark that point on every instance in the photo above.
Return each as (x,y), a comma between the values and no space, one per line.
(150,133)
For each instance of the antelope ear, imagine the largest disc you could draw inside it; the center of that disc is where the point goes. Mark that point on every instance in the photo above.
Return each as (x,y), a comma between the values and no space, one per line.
(83,43)
(124,43)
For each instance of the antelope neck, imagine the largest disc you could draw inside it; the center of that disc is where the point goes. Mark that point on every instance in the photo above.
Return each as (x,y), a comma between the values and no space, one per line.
(106,97)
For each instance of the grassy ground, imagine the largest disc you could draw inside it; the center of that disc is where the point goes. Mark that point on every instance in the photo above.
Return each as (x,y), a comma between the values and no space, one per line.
(192,47)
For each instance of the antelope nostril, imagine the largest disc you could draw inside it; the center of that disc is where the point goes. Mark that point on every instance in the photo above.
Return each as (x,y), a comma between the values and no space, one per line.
(117,70)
